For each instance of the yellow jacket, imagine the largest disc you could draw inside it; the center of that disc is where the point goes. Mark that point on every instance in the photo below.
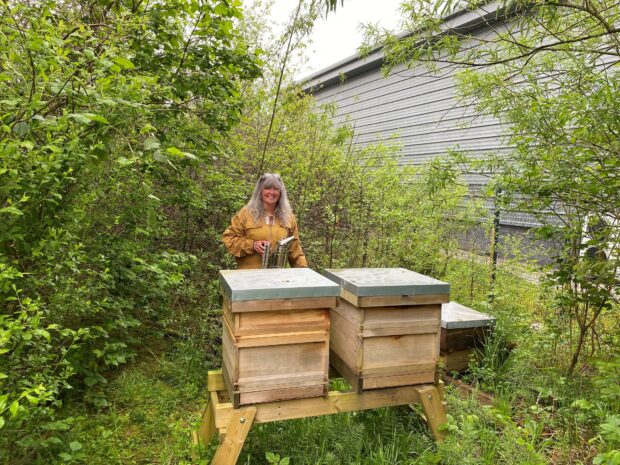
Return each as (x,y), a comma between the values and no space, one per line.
(239,239)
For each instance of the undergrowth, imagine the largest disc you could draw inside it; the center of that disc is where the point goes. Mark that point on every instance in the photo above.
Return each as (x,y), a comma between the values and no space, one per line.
(147,412)
(144,415)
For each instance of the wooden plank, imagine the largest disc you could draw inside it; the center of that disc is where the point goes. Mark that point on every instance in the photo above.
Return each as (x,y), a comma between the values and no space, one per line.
(272,381)
(456,361)
(433,409)
(411,328)
(230,358)
(228,316)
(215,381)
(349,312)
(223,411)
(388,301)
(385,315)
(404,324)
(335,402)
(229,349)
(393,300)
(230,386)
(214,399)
(345,341)
(399,380)
(388,321)
(325,364)
(223,396)
(346,371)
(282,304)
(236,431)
(271,340)
(399,350)
(281,394)
(393,369)
(229,366)
(276,361)
(284,321)
(207,425)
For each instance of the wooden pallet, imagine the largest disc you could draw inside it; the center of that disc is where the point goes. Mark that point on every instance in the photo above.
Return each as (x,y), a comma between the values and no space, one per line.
(233,424)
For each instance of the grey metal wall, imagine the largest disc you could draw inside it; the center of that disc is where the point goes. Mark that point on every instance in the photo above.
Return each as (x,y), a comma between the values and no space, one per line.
(418,110)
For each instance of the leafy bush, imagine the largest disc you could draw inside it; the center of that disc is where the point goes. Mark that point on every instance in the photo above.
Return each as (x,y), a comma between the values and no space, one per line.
(34,371)
(110,120)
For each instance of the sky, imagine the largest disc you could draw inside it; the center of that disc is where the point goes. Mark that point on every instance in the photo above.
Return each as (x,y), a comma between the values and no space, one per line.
(338,36)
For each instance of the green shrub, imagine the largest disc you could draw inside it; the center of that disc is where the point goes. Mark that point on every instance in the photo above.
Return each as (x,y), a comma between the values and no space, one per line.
(35,372)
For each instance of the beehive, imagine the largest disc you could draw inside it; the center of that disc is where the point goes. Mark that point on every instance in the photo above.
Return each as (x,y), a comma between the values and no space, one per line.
(385,332)
(276,333)
(463,329)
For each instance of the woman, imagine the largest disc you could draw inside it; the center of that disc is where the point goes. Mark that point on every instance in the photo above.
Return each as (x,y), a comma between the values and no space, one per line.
(266,218)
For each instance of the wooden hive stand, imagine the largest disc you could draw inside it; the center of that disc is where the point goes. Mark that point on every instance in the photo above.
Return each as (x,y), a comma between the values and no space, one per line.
(233,424)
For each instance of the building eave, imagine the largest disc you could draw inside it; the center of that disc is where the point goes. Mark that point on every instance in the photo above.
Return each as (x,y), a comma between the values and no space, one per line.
(462,22)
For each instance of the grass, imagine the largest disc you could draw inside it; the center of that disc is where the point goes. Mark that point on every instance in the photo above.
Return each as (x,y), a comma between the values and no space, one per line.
(145,415)
(152,408)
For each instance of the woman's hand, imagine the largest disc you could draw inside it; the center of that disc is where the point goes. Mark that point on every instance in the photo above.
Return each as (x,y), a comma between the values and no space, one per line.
(259,247)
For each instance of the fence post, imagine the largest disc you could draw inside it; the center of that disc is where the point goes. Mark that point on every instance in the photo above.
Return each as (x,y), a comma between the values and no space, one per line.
(494,242)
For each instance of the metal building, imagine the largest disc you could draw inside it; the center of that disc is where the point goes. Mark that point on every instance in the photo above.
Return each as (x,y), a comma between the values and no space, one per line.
(415,108)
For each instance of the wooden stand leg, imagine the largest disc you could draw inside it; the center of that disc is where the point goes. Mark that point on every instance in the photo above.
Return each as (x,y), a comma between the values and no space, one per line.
(441,387)
(207,426)
(237,430)
(233,424)
(433,409)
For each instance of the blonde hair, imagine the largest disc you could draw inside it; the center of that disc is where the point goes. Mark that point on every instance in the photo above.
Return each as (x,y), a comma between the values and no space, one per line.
(283,212)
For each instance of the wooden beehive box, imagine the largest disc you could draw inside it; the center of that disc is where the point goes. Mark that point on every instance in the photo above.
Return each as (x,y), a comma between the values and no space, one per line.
(463,329)
(385,332)
(276,333)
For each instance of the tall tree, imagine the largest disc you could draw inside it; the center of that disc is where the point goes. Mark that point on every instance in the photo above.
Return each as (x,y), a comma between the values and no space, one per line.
(549,71)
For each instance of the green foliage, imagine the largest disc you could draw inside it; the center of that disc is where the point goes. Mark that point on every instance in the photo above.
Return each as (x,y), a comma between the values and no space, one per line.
(549,75)
(275,459)
(150,412)
(491,436)
(607,410)
(34,370)
(126,144)
(565,166)
(355,207)
(383,436)
(111,116)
